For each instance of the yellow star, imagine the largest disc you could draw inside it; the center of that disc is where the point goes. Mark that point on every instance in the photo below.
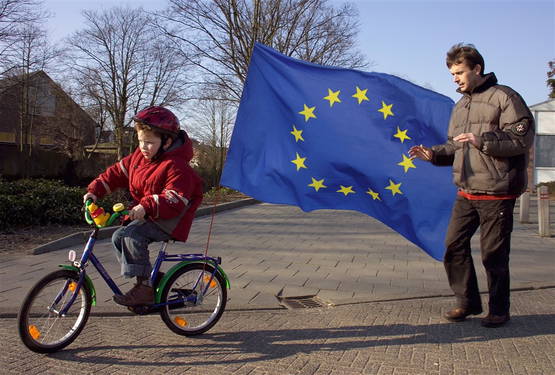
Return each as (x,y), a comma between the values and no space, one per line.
(299,162)
(402,135)
(406,163)
(360,95)
(374,194)
(308,112)
(346,190)
(395,188)
(386,110)
(317,184)
(298,134)
(333,97)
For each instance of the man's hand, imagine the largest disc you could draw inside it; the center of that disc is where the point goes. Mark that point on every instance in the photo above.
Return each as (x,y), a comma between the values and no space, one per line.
(467,137)
(137,212)
(421,152)
(89,196)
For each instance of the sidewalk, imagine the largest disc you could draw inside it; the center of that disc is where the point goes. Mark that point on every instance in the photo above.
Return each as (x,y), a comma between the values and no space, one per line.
(402,337)
(274,250)
(344,260)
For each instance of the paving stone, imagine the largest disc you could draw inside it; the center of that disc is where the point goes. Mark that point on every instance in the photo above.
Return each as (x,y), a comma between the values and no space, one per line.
(303,253)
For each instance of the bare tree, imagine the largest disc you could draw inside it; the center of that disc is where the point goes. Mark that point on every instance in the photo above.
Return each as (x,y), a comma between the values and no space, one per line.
(30,52)
(222,34)
(124,64)
(214,123)
(551,79)
(15,15)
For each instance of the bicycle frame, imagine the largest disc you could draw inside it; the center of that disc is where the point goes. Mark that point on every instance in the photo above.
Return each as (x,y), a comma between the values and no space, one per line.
(190,295)
(162,257)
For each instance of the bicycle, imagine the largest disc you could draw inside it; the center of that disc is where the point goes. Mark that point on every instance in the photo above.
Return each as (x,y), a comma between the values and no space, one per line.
(190,297)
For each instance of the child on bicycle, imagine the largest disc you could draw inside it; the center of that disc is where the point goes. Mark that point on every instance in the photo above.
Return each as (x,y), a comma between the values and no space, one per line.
(166,193)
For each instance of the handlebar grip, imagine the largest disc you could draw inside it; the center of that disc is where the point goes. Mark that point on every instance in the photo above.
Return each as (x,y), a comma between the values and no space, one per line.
(115,216)
(88,217)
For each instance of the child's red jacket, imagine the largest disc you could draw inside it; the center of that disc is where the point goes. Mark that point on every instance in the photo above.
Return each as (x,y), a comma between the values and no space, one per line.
(168,188)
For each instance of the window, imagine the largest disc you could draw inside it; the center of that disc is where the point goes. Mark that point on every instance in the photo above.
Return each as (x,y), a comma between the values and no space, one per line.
(42,101)
(7,137)
(545,151)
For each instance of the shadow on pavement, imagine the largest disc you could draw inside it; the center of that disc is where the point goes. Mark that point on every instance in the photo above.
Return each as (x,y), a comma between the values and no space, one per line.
(262,345)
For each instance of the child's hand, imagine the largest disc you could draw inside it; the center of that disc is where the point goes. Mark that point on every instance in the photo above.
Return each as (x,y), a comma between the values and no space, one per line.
(137,212)
(89,196)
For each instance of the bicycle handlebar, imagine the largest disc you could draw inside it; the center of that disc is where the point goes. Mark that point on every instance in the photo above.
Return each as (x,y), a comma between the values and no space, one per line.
(95,215)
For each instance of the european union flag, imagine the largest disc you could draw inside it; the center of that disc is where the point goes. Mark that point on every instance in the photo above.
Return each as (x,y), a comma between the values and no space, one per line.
(330,138)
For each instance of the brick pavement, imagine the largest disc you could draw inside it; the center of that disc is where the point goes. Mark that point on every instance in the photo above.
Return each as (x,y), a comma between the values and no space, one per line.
(269,250)
(343,257)
(399,337)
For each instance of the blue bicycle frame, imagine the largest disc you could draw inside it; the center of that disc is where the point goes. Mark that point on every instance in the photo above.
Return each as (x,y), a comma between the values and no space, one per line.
(162,257)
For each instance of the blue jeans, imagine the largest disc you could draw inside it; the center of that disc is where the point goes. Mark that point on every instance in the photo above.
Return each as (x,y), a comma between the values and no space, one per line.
(131,247)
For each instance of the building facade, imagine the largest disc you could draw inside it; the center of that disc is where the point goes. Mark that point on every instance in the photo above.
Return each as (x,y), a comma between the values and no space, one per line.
(544,145)
(41,127)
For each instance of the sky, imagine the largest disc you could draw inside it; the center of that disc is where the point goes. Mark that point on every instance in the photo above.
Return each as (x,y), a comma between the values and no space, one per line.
(409,38)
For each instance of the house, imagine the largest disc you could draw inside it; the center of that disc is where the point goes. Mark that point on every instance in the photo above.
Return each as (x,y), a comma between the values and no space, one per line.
(38,117)
(544,144)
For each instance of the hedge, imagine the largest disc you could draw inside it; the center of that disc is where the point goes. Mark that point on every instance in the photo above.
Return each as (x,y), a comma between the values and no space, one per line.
(30,202)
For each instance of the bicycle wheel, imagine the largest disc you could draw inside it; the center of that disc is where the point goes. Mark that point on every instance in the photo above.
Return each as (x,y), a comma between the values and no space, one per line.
(41,328)
(198,302)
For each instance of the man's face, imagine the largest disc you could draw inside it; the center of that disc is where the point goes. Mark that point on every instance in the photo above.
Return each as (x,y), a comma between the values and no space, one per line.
(466,78)
(149,143)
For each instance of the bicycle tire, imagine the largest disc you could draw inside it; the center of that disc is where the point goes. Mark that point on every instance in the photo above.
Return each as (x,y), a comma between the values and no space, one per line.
(190,318)
(41,329)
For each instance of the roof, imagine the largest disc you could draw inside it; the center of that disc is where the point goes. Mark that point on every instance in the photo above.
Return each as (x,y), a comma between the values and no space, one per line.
(6,83)
(10,81)
(547,106)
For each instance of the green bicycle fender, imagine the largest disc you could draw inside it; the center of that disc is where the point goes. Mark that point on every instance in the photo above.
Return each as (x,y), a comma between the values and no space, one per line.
(88,282)
(177,267)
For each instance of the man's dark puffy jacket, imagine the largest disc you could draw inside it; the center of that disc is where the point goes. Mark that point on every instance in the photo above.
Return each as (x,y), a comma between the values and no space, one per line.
(504,128)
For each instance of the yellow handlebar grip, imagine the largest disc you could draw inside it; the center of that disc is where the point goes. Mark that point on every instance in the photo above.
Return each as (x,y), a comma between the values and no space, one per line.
(118,207)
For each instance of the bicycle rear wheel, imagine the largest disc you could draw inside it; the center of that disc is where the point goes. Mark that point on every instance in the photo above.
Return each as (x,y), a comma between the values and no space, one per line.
(41,328)
(196,300)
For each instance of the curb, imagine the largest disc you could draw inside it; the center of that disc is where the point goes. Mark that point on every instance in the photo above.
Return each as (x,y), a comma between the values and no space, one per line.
(104,233)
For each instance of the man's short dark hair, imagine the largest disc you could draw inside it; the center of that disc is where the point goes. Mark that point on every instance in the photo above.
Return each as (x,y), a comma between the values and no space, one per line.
(465,53)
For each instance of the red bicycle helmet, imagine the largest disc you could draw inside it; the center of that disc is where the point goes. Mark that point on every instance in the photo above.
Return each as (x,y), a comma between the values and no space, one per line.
(159,118)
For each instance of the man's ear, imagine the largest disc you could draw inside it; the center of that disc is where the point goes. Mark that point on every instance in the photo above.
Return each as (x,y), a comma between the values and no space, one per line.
(477,69)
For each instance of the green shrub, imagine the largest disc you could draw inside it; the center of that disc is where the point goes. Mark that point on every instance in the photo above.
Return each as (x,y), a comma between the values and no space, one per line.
(31,202)
(222,191)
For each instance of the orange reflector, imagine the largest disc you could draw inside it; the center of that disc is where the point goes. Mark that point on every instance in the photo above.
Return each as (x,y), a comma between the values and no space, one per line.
(180,321)
(207,280)
(72,286)
(34,332)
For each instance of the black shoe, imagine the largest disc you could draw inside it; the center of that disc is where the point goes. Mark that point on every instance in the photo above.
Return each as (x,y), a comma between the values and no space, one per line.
(140,294)
(459,314)
(493,321)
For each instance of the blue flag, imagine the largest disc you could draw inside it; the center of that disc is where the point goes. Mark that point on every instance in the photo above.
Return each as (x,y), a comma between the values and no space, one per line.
(330,138)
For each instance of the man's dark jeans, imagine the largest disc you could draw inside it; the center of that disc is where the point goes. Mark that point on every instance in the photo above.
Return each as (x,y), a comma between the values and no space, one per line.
(495,220)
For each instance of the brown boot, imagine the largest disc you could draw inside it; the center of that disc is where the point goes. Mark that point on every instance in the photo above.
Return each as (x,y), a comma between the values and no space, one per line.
(140,294)
(459,314)
(493,321)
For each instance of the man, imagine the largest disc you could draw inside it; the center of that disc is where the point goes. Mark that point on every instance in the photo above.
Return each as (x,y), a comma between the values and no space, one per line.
(490,133)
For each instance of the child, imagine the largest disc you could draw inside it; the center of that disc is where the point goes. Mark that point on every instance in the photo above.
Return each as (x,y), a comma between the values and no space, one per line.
(166,193)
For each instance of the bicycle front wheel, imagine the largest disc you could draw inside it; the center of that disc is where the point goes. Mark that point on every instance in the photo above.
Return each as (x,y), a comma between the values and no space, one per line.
(41,326)
(196,300)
